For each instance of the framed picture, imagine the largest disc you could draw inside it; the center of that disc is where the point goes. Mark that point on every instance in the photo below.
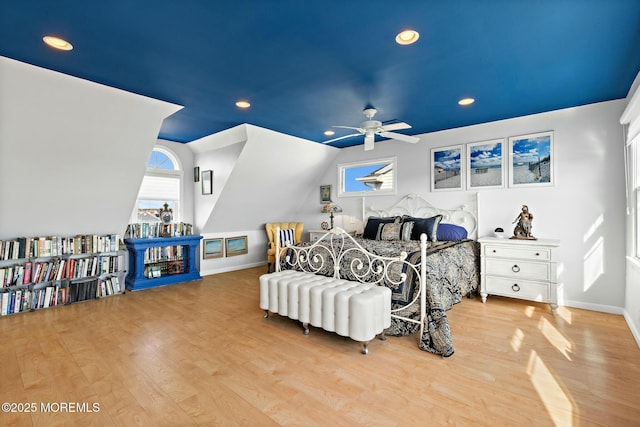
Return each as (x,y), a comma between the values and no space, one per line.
(531,160)
(446,170)
(207,182)
(196,174)
(485,164)
(236,245)
(325,193)
(212,248)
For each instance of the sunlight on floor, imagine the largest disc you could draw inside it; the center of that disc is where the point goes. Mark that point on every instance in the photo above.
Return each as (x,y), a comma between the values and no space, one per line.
(593,264)
(516,339)
(565,314)
(529,311)
(555,337)
(559,406)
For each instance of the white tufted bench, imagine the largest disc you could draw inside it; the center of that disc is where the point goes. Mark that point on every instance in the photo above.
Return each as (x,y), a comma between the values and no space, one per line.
(352,309)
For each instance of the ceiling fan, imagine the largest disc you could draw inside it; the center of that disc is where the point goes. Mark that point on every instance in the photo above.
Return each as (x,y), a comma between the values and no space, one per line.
(370,128)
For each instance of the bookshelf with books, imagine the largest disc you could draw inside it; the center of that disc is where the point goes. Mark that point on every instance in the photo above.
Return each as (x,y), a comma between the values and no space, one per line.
(42,272)
(161,261)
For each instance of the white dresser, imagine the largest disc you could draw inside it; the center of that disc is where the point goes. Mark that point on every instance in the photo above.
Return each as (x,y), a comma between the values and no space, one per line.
(524,269)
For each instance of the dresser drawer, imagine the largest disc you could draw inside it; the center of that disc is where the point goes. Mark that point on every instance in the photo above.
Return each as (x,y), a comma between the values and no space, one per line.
(518,269)
(512,251)
(518,289)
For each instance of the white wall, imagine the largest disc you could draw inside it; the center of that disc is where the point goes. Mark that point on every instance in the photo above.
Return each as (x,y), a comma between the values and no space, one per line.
(72,152)
(585,209)
(259,176)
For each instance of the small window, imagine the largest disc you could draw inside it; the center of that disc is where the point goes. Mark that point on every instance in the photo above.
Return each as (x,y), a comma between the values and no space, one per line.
(376,177)
(161,184)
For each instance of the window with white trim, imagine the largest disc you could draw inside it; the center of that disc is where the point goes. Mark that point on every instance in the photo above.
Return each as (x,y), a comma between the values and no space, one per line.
(161,184)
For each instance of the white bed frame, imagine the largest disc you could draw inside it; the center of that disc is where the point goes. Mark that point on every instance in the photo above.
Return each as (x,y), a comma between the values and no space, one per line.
(415,206)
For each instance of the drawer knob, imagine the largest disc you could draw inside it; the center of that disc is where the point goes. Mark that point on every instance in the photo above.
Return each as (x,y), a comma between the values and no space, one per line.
(515,287)
(515,268)
(494,251)
(537,253)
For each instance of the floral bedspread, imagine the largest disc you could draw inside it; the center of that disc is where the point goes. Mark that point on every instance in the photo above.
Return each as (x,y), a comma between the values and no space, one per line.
(452,272)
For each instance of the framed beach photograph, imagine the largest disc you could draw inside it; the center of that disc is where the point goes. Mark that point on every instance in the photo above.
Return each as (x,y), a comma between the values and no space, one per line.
(446,170)
(531,160)
(485,164)
(207,182)
(212,248)
(236,245)
(325,194)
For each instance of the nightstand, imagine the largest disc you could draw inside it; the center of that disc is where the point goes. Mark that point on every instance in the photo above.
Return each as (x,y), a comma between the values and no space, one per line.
(524,269)
(316,234)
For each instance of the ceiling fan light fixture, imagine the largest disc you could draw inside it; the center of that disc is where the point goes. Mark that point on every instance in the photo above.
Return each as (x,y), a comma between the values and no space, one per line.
(243,104)
(466,101)
(407,37)
(57,43)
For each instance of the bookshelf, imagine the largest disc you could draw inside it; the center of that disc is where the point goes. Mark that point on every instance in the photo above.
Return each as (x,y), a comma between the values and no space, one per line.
(43,272)
(161,261)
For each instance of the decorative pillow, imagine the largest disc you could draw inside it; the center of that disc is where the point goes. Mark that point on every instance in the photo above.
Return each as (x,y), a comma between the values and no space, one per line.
(373,223)
(287,236)
(451,232)
(429,226)
(406,230)
(389,231)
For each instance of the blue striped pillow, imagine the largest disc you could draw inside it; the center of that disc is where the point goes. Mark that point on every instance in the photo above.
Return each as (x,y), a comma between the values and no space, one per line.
(287,236)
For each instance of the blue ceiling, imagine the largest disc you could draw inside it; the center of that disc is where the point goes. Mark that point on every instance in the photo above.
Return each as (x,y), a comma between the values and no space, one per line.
(308,65)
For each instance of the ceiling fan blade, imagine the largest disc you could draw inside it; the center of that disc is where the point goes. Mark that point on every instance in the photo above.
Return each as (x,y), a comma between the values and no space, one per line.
(395,125)
(400,137)
(347,127)
(342,137)
(368,142)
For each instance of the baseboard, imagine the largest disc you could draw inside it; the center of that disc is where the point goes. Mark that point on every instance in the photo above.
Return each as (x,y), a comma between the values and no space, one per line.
(632,327)
(594,307)
(211,271)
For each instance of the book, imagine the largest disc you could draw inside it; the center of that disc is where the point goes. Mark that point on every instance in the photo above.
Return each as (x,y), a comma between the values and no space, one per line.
(27,273)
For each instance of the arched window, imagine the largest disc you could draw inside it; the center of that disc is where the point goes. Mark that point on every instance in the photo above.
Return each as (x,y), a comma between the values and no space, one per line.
(161,184)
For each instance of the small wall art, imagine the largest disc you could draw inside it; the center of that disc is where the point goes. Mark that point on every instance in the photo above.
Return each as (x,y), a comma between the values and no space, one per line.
(207,182)
(236,245)
(485,164)
(531,160)
(325,193)
(212,248)
(446,170)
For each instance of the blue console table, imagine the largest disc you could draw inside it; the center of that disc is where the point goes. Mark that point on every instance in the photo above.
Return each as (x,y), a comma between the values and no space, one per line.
(163,268)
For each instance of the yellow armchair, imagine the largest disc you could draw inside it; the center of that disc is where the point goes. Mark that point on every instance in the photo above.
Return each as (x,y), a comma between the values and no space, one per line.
(298,227)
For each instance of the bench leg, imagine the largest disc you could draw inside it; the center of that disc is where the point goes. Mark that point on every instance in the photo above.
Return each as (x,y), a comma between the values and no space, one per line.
(266,314)
(383,337)
(305,325)
(365,348)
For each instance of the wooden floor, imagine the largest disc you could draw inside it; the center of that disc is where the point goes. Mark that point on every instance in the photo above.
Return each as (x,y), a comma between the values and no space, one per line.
(201,353)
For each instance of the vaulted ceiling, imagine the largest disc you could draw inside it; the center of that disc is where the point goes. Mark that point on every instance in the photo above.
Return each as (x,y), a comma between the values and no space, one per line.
(306,66)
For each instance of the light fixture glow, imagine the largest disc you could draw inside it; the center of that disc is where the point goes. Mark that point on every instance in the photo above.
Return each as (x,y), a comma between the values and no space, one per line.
(329,133)
(243,104)
(57,43)
(466,101)
(407,37)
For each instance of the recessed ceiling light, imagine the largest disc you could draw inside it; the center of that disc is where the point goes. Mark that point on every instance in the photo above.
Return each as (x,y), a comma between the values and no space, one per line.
(466,101)
(407,37)
(57,43)
(329,133)
(243,104)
